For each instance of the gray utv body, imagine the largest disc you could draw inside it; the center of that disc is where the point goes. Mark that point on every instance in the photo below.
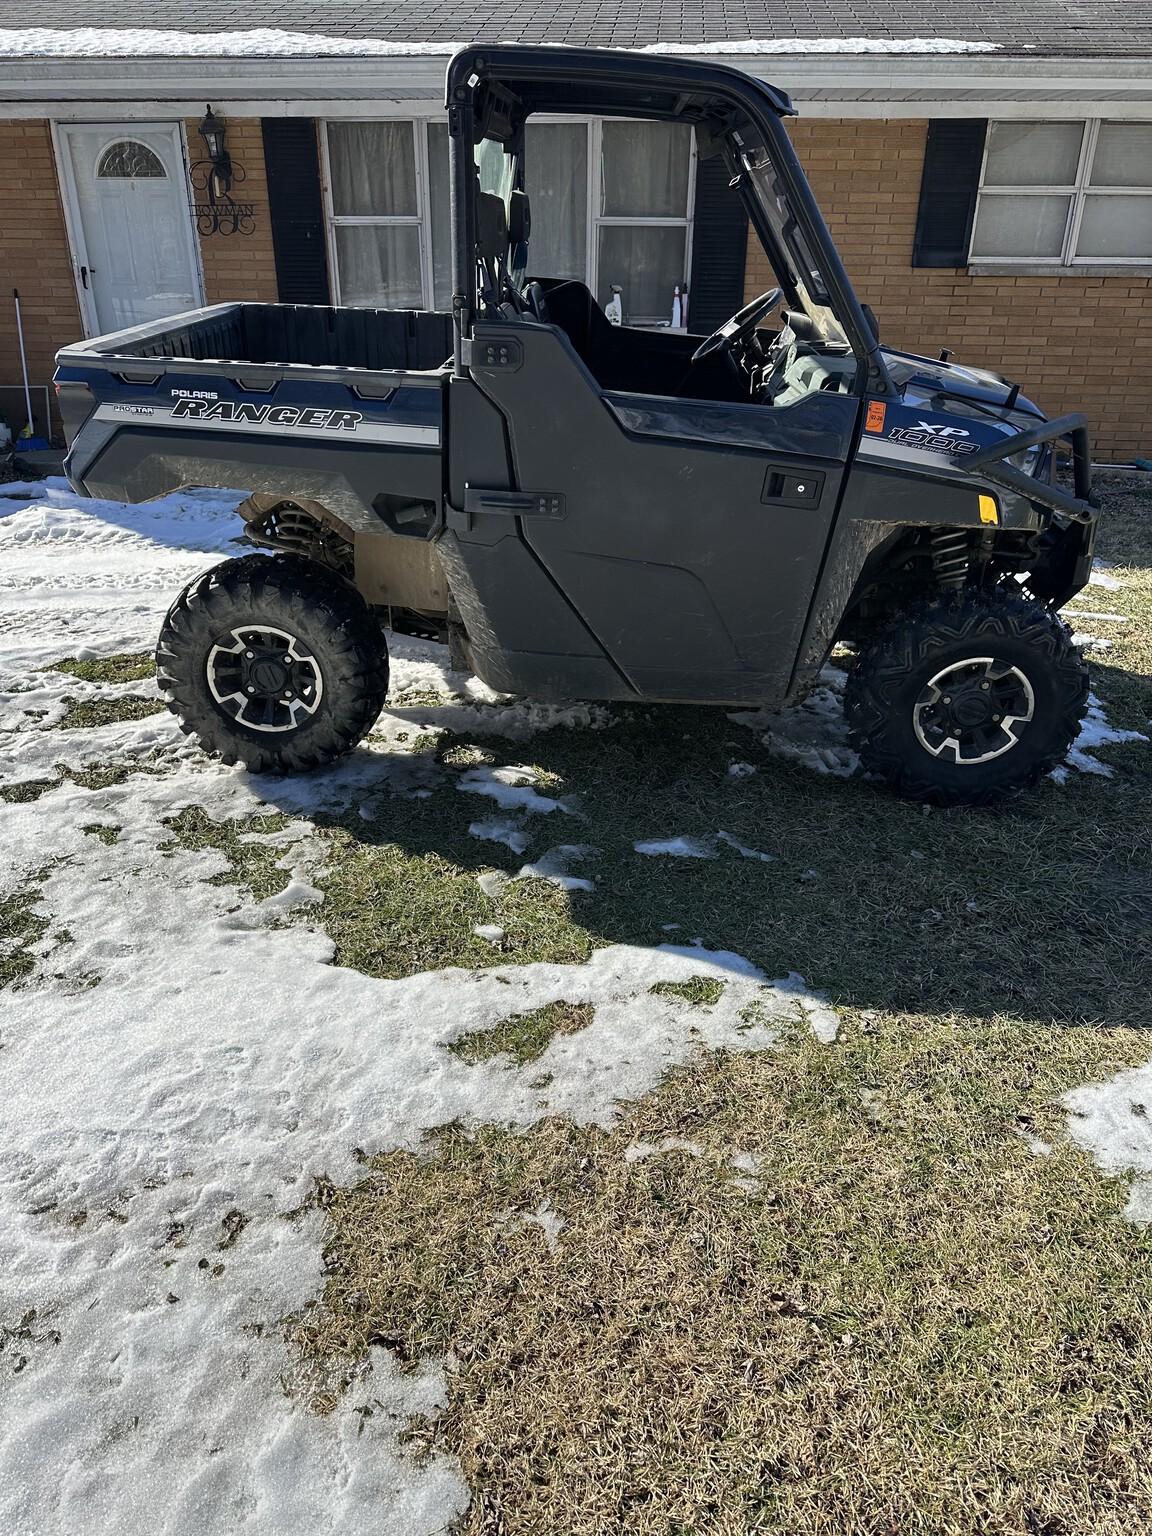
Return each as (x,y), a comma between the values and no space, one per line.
(592,511)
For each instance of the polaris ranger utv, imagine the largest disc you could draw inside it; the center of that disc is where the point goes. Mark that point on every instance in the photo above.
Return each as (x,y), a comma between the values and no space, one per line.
(601,512)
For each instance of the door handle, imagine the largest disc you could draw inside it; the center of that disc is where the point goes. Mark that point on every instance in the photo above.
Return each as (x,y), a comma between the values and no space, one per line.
(793,487)
(84,275)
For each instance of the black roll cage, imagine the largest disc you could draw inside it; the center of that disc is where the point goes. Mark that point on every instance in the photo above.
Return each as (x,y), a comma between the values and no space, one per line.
(491,91)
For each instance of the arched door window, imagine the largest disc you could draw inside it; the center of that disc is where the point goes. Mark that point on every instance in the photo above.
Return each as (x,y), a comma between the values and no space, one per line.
(130,158)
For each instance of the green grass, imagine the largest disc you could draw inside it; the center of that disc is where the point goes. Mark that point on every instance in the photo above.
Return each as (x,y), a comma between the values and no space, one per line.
(252,865)
(87,714)
(907,1323)
(524,1036)
(108,835)
(20,928)
(911,1323)
(124,668)
(702,990)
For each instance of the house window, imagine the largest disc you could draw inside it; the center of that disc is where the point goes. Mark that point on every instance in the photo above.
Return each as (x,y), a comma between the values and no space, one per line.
(378,236)
(1072,194)
(129,159)
(611,205)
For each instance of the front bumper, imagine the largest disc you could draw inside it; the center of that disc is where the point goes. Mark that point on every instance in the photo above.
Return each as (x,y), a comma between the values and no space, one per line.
(989,465)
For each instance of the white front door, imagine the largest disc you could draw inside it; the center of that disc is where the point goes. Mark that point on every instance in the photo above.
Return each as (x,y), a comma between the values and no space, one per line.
(131,222)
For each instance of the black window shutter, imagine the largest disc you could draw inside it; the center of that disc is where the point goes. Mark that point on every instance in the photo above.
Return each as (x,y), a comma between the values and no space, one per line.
(951,180)
(719,245)
(295,209)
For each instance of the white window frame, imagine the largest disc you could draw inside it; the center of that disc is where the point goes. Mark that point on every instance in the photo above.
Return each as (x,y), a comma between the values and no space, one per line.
(1077,192)
(423,216)
(421,219)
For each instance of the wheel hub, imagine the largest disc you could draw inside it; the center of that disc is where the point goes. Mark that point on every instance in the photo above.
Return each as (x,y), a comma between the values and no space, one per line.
(264,678)
(973,710)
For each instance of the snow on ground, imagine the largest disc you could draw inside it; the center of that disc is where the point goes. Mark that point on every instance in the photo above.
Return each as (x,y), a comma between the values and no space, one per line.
(1094,732)
(813,733)
(185,1061)
(700,847)
(1113,1122)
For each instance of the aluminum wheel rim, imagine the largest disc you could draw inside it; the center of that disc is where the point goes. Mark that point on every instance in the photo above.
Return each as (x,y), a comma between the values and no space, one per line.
(973,711)
(264,678)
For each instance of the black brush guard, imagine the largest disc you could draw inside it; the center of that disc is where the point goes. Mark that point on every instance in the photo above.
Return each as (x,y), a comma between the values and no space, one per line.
(990,465)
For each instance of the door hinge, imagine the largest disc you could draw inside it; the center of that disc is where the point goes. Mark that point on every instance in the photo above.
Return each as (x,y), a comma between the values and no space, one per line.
(513,503)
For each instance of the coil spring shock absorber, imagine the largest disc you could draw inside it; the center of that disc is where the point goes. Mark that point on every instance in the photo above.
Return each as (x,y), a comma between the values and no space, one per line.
(950,550)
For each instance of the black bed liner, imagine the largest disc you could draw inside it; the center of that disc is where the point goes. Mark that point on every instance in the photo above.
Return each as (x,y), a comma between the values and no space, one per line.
(315,335)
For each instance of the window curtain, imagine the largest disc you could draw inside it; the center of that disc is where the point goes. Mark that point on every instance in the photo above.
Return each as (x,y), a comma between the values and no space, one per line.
(373,168)
(644,171)
(379,265)
(556,180)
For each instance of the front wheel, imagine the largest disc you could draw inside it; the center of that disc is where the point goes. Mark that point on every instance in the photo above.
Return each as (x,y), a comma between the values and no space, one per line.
(274,662)
(967,699)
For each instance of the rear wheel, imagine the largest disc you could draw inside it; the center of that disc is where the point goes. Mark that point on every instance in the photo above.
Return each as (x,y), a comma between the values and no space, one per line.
(273,662)
(967,699)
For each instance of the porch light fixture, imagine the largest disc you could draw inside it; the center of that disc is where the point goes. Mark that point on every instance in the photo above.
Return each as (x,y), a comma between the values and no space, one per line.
(212,130)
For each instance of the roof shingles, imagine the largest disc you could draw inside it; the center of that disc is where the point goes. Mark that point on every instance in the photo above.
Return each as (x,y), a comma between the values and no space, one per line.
(1096,28)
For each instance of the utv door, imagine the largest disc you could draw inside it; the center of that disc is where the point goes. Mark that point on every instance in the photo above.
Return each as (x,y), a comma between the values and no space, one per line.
(617,545)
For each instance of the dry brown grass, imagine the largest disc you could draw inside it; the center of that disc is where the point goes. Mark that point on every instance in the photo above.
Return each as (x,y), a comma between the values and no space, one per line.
(524,1036)
(910,1323)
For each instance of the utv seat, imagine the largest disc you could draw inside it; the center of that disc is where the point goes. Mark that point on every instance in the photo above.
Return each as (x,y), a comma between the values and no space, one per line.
(656,362)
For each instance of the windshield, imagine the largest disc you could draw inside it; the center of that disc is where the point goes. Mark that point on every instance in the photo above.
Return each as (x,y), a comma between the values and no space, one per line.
(800,274)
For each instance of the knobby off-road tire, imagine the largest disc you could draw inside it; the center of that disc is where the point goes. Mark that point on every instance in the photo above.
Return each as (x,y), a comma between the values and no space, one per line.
(273,662)
(966,699)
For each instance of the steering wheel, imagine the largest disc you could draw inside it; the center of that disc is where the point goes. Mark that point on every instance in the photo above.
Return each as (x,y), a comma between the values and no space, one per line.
(741,325)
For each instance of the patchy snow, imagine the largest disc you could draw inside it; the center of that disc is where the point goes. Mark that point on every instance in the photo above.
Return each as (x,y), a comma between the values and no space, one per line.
(741,770)
(510,787)
(184,1061)
(756,47)
(554,865)
(154,43)
(700,847)
(549,1221)
(1076,613)
(813,732)
(502,829)
(1095,732)
(1088,642)
(1113,1122)
(491,932)
(1101,576)
(743,850)
(678,847)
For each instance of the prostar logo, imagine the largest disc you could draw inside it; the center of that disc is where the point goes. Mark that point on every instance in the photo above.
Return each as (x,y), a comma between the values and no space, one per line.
(928,426)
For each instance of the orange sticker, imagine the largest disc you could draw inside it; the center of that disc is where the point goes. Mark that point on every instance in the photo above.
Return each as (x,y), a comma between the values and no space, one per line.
(874,421)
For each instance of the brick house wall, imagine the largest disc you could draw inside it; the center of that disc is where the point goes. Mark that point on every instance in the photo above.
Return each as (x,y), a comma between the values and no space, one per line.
(239,266)
(1074,342)
(34,259)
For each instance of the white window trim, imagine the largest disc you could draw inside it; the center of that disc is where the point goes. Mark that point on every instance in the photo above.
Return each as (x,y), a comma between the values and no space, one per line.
(1078,193)
(423,216)
(421,219)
